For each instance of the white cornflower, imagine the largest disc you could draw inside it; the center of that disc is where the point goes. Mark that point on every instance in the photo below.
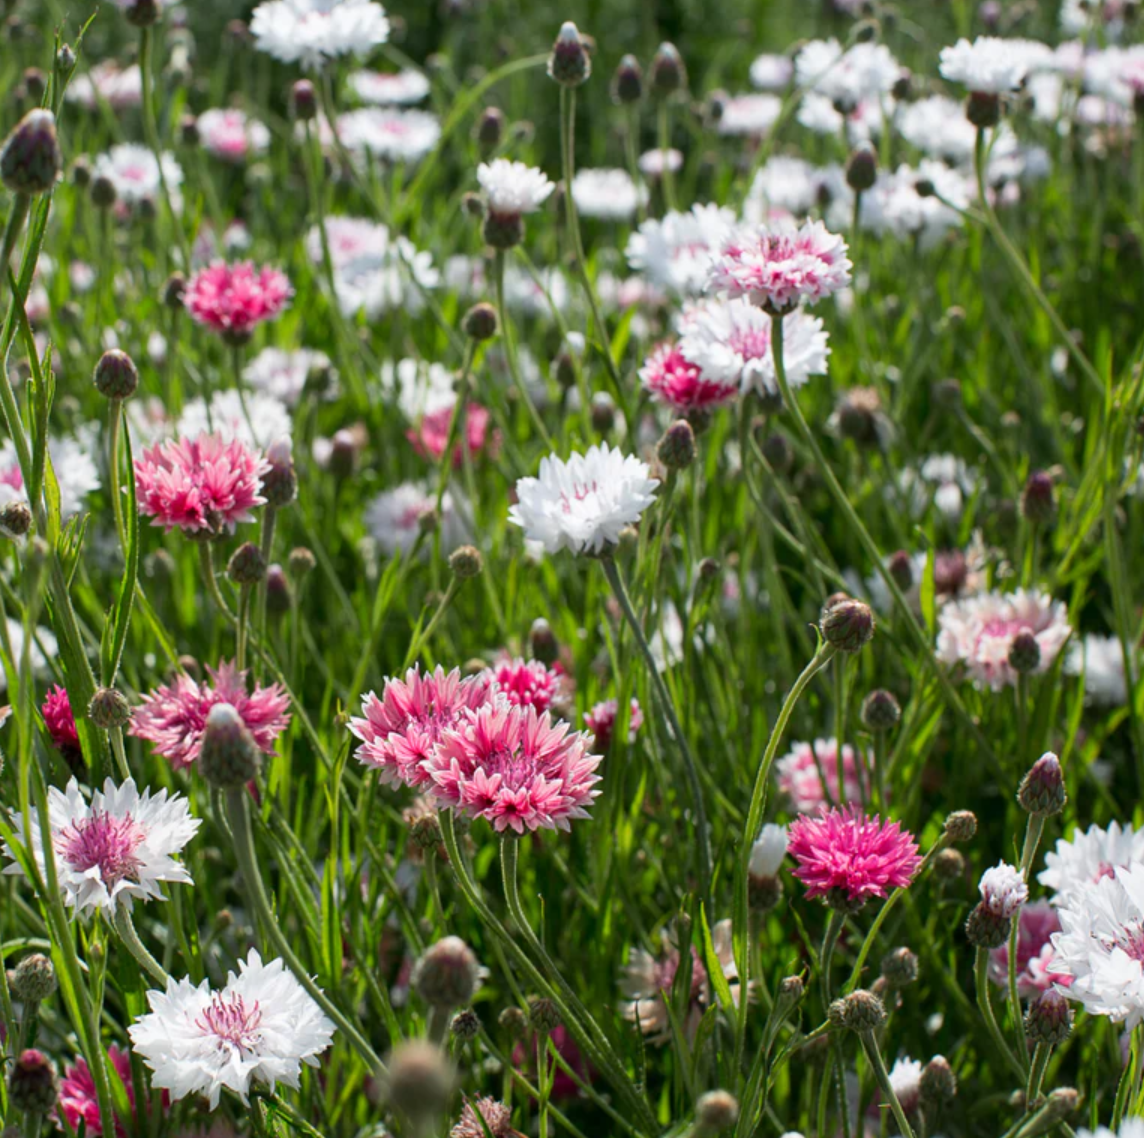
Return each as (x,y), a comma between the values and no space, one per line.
(283,375)
(987,66)
(1076,864)
(847,78)
(943,479)
(261,1027)
(674,252)
(730,341)
(75,469)
(257,419)
(134,173)
(512,188)
(608,194)
(771,72)
(784,184)
(1003,890)
(583,502)
(231,134)
(311,32)
(395,517)
(938,127)
(1129,1128)
(906,1079)
(979,632)
(386,89)
(389,134)
(113,850)
(107,83)
(654,163)
(750,115)
(893,205)
(418,387)
(1101,660)
(768,851)
(1101,946)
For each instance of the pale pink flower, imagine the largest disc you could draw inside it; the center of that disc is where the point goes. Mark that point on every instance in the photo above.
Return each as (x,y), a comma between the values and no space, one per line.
(234,299)
(601,721)
(516,768)
(230,134)
(400,731)
(848,856)
(799,780)
(779,266)
(1035,953)
(485,1116)
(173,717)
(528,683)
(674,380)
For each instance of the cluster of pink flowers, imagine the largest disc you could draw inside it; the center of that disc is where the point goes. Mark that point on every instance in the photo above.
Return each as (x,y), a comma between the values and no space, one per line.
(848,857)
(173,717)
(431,435)
(233,300)
(60,722)
(202,485)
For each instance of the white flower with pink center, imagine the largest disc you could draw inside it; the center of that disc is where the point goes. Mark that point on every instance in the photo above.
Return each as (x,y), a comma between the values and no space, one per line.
(778,267)
(261,1027)
(134,172)
(1101,946)
(513,188)
(230,134)
(386,89)
(74,465)
(389,134)
(979,631)
(395,518)
(583,502)
(802,770)
(1078,863)
(118,848)
(730,342)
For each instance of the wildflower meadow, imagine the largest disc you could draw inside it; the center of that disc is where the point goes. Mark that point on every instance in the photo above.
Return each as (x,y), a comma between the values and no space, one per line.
(571,571)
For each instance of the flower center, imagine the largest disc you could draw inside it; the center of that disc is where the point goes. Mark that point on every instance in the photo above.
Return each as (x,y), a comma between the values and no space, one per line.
(232,1022)
(580,492)
(105,843)
(751,343)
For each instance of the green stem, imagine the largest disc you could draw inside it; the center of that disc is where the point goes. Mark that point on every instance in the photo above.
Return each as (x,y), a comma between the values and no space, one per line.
(877,1063)
(266,546)
(427,631)
(510,354)
(985,1003)
(16,215)
(1041,1055)
(115,413)
(125,927)
(206,564)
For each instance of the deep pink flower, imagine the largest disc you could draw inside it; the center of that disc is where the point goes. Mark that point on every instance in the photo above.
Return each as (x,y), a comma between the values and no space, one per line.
(601,721)
(515,768)
(776,267)
(400,730)
(60,721)
(78,1100)
(173,717)
(431,435)
(233,299)
(563,1085)
(673,379)
(848,855)
(1035,953)
(199,485)
(528,683)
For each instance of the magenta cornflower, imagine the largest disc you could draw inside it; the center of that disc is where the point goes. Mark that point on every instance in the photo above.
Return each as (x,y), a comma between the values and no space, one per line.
(528,683)
(845,855)
(431,435)
(78,1101)
(233,300)
(780,266)
(1036,970)
(674,380)
(601,721)
(204,485)
(173,717)
(515,768)
(60,721)
(400,730)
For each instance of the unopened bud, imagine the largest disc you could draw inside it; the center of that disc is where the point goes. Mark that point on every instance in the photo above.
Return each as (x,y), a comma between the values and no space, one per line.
(513,1022)
(1038,499)
(901,568)
(31,159)
(847,624)
(109,708)
(32,1084)
(300,562)
(542,640)
(1042,790)
(15,519)
(229,756)
(304,100)
(627,83)
(419,1080)
(862,169)
(603,413)
(569,63)
(490,129)
(938,1084)
(983,109)
(1024,652)
(480,322)
(1049,1019)
(466,1025)
(986,928)
(280,482)
(34,979)
(949,865)
(961,825)
(715,1111)
(174,291)
(899,967)
(880,711)
(115,375)
(247,565)
(447,975)
(465,562)
(861,1011)
(279,592)
(141,13)
(667,73)
(543,1014)
(677,449)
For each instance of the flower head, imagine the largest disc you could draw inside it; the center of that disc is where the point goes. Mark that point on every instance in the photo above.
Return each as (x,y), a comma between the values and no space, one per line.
(201,485)
(515,768)
(312,32)
(78,1100)
(987,66)
(400,730)
(608,194)
(676,251)
(1003,890)
(1078,863)
(234,299)
(801,771)
(673,379)
(384,89)
(228,133)
(847,855)
(778,267)
(484,1117)
(1036,964)
(60,721)
(173,718)
(113,850)
(261,1026)
(601,721)
(512,188)
(583,502)
(768,851)
(528,683)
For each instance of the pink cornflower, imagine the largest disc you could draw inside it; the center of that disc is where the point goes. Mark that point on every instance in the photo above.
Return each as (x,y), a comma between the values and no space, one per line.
(674,380)
(431,435)
(400,730)
(515,768)
(233,299)
(173,717)
(1035,953)
(801,784)
(78,1101)
(528,683)
(848,857)
(778,267)
(601,721)
(204,485)
(60,721)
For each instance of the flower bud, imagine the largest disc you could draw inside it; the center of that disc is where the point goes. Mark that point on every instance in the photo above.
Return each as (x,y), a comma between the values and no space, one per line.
(1024,653)
(465,562)
(513,1022)
(880,711)
(542,640)
(543,1014)
(247,565)
(503,230)
(447,975)
(938,1084)
(860,1011)
(300,562)
(901,568)
(983,109)
(862,169)
(109,708)
(677,450)
(949,865)
(778,453)
(419,1080)
(1061,1104)
(31,159)
(627,82)
(489,131)
(1042,790)
(791,991)
(847,624)
(32,1084)
(466,1025)
(279,592)
(667,73)
(961,825)
(715,1111)
(603,409)
(34,979)
(480,322)
(15,519)
(303,100)
(174,290)
(899,967)
(569,64)
(103,192)
(1038,499)
(1049,1019)
(987,928)
(115,375)
(35,83)
(81,172)
(280,482)
(229,756)
(343,454)
(141,13)
(189,134)
(65,59)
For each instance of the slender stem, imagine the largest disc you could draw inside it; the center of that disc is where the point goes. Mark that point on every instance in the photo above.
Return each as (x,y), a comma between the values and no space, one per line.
(510,354)
(115,734)
(266,545)
(1041,1055)
(115,414)
(427,631)
(874,1055)
(691,770)
(985,1003)
(16,216)
(663,123)
(829,940)
(125,927)
(242,627)
(206,564)
(238,812)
